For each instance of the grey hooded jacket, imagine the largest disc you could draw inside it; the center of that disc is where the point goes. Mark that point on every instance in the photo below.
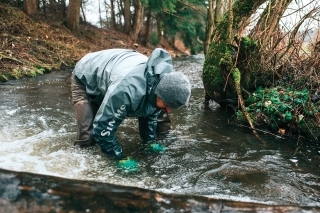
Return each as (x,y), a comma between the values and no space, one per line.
(122,82)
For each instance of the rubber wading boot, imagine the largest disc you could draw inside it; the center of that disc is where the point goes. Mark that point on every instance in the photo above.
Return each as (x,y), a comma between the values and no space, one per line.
(163,122)
(85,112)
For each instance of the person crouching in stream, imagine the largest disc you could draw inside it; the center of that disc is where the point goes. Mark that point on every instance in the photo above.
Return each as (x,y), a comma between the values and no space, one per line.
(110,85)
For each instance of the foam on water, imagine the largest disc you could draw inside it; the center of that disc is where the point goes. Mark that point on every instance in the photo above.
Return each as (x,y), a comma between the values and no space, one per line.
(11,112)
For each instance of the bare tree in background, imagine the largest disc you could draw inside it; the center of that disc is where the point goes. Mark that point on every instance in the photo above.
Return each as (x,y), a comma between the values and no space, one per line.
(127,16)
(209,25)
(30,7)
(138,20)
(148,26)
(82,5)
(113,16)
(268,24)
(73,15)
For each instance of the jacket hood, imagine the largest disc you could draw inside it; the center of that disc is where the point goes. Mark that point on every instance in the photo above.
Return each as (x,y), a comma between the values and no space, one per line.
(159,62)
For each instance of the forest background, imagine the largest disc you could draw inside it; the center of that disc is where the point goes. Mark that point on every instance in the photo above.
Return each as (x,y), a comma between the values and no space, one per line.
(262,57)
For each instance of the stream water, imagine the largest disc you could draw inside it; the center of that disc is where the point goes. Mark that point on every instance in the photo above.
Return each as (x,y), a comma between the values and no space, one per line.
(204,154)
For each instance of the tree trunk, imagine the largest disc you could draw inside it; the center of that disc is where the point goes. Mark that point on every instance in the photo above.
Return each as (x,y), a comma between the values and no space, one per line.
(30,7)
(73,15)
(138,20)
(113,17)
(121,9)
(127,16)
(100,17)
(209,26)
(44,8)
(63,5)
(52,3)
(159,26)
(147,29)
(217,11)
(268,25)
(83,13)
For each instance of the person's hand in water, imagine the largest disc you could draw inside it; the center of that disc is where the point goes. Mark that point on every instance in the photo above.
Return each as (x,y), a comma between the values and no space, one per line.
(127,163)
(156,147)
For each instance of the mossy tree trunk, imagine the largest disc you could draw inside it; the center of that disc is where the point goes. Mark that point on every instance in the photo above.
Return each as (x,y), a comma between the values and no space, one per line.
(222,53)
(228,50)
(234,65)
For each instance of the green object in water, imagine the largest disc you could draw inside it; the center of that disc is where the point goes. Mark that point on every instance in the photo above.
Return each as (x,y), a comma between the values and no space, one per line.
(157,147)
(128,164)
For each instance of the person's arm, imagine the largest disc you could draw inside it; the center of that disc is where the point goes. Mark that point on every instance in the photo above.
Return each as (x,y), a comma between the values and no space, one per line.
(110,115)
(148,127)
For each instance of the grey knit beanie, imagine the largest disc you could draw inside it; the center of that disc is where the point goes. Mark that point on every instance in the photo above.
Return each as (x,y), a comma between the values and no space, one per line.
(174,89)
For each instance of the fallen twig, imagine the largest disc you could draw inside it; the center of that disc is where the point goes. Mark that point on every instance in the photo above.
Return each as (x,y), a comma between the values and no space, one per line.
(9,58)
(260,130)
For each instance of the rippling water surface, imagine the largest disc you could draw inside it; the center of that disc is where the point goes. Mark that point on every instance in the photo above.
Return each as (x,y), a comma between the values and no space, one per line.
(204,154)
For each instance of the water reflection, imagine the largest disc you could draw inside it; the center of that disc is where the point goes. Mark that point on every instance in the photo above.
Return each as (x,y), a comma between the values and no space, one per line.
(204,154)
